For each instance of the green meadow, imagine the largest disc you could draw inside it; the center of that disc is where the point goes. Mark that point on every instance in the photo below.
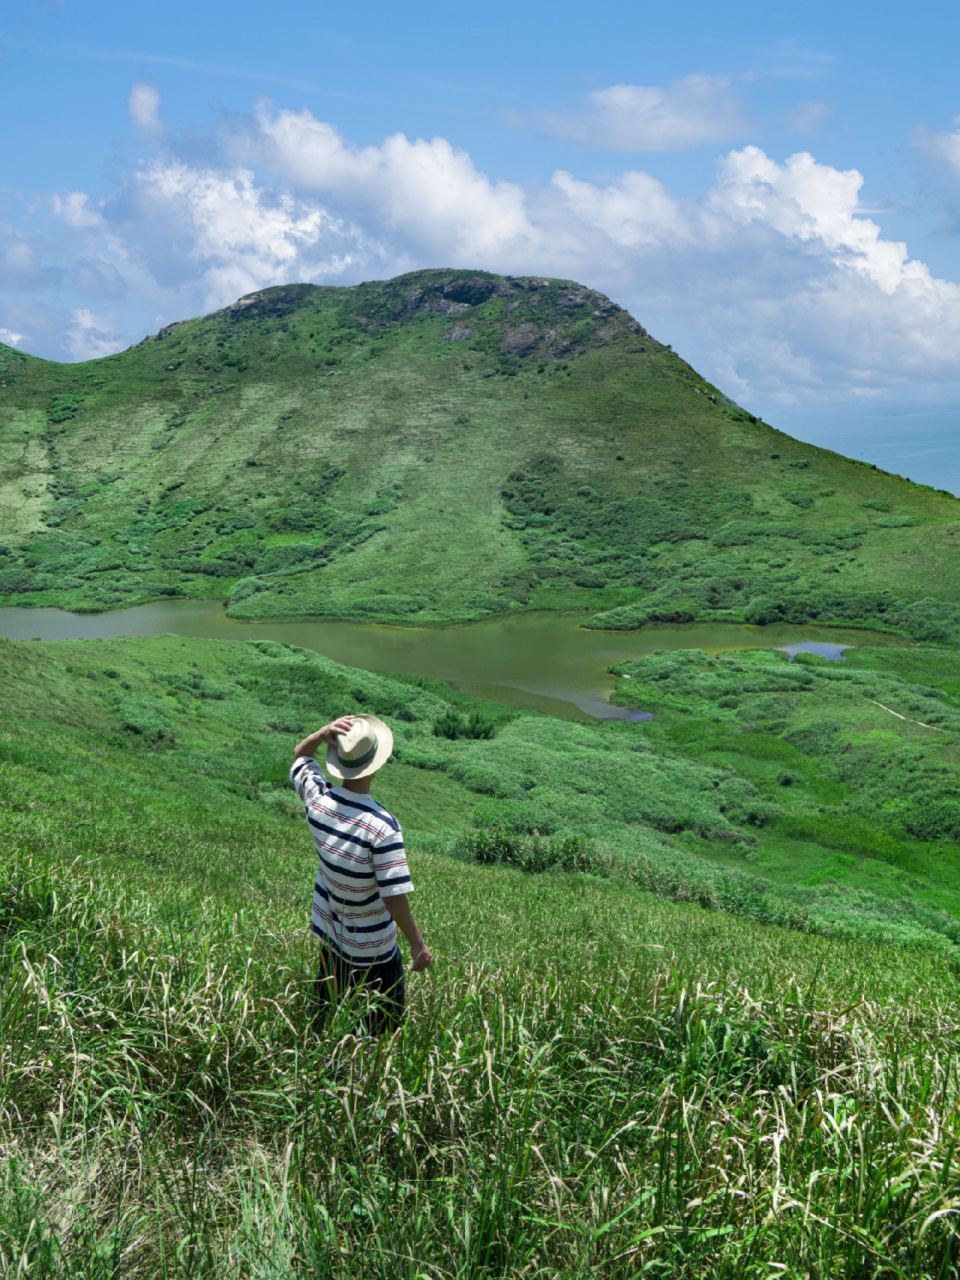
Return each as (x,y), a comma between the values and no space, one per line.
(693,1011)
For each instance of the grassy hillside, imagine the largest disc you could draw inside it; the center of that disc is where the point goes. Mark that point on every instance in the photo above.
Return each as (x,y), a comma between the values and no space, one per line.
(442,447)
(594,1080)
(787,792)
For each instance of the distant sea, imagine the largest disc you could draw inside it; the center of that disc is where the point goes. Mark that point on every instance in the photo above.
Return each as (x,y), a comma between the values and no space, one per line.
(921,442)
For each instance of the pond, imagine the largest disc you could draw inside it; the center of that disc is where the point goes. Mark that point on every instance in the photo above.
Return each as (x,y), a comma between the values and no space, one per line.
(535,661)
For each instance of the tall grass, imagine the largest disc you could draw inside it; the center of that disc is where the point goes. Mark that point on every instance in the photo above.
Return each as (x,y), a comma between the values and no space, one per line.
(496,846)
(583,1110)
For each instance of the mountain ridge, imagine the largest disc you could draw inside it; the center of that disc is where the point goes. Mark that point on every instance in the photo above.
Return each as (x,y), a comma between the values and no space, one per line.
(442,447)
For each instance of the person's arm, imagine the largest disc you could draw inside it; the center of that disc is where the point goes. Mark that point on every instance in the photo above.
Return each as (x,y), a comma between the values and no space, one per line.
(310,743)
(399,907)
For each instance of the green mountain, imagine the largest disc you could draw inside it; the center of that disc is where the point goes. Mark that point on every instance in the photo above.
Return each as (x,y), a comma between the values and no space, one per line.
(442,447)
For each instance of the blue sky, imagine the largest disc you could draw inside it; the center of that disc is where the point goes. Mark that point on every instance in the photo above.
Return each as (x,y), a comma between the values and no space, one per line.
(775,189)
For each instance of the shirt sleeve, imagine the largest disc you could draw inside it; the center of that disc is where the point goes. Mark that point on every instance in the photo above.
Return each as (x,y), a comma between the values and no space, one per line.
(390,865)
(308,779)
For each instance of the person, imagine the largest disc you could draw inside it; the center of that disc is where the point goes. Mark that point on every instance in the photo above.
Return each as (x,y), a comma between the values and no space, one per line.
(363,882)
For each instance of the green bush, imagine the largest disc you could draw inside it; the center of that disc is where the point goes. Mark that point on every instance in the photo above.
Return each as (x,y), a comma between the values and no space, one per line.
(13,581)
(272,559)
(192,683)
(533,854)
(296,519)
(239,558)
(936,820)
(142,718)
(537,495)
(743,532)
(448,725)
(248,587)
(451,724)
(242,520)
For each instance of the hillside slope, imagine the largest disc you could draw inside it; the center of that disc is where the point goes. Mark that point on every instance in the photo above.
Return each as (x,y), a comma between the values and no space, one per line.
(663,1086)
(443,447)
(806,793)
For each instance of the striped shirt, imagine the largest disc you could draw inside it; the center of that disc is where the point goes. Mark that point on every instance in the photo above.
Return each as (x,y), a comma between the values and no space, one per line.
(362,861)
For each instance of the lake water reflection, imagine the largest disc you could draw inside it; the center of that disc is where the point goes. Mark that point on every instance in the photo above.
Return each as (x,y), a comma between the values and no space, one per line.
(536,661)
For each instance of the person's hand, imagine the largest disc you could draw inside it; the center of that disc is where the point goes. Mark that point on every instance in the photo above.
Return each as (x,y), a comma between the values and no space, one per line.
(332,730)
(336,728)
(420,958)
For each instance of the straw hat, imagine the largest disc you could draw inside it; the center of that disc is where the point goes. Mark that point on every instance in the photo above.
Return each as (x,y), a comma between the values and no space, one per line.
(362,750)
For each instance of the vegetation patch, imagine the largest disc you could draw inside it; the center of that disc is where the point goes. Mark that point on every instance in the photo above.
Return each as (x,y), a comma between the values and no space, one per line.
(533,854)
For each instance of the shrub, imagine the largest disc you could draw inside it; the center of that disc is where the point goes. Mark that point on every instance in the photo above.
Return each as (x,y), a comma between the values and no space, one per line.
(194,685)
(239,558)
(937,820)
(16,580)
(143,719)
(274,558)
(296,520)
(742,532)
(448,725)
(815,740)
(242,520)
(451,724)
(533,854)
(212,568)
(248,587)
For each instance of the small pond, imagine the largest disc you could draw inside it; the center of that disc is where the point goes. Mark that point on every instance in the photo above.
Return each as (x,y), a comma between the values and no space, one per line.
(538,661)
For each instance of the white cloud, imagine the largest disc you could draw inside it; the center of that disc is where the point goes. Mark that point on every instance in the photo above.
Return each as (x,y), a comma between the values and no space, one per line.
(629,117)
(227,235)
(22,261)
(943,147)
(430,193)
(815,203)
(774,282)
(10,338)
(89,337)
(76,210)
(143,108)
(807,117)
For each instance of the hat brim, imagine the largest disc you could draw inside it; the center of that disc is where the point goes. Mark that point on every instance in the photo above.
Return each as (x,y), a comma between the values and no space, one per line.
(384,751)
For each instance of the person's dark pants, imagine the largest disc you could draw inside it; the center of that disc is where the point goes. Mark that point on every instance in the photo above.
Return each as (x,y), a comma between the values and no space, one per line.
(381,989)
